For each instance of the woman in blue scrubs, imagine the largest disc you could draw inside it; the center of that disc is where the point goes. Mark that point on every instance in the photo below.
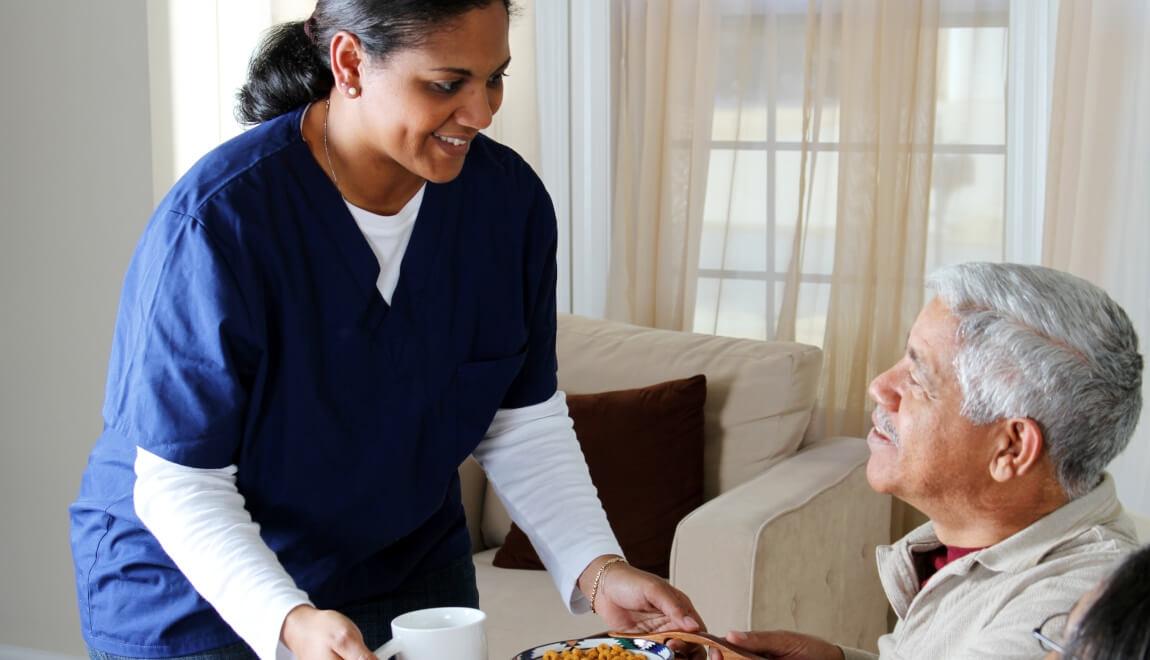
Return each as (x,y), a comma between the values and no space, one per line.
(323,318)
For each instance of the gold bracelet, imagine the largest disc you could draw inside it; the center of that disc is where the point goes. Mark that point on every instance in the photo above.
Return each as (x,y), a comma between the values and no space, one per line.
(599,576)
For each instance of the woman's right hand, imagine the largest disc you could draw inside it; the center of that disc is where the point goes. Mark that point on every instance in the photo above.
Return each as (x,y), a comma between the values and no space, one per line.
(313,634)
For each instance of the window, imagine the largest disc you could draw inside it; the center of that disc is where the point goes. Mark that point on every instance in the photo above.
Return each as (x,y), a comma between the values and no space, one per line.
(753,181)
(198,52)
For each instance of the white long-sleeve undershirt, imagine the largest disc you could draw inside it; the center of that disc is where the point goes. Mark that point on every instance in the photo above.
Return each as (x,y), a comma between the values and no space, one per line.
(198,516)
(533,460)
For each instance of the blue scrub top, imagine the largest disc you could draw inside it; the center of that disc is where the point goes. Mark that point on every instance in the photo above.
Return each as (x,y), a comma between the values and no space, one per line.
(251,332)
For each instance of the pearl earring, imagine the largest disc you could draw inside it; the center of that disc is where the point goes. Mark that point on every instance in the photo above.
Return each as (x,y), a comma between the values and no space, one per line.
(352,92)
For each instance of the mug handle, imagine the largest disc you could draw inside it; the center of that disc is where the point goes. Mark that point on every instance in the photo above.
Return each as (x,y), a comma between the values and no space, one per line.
(389,649)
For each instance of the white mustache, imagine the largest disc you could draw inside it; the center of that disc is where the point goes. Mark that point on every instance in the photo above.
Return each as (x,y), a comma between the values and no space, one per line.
(883,424)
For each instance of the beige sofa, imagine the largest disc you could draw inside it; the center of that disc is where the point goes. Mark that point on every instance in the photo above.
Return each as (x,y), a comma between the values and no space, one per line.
(1142,524)
(786,537)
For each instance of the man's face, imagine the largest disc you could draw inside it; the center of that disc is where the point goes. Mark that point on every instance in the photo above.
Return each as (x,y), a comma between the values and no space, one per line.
(921,449)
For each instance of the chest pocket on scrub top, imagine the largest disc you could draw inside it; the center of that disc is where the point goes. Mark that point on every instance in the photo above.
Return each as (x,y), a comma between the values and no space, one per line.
(476,393)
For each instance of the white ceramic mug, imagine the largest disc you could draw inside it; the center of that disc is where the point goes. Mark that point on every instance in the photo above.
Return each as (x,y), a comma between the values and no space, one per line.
(437,633)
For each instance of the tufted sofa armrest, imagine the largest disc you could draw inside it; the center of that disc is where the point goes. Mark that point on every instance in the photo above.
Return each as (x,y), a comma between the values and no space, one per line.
(806,530)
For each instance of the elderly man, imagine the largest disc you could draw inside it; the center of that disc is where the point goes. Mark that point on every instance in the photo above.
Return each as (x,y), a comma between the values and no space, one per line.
(1018,386)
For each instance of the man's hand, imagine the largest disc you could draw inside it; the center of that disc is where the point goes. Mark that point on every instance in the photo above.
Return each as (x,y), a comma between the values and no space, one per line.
(313,634)
(782,644)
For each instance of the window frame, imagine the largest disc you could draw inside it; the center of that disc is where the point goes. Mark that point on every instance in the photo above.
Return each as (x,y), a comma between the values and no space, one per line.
(955,14)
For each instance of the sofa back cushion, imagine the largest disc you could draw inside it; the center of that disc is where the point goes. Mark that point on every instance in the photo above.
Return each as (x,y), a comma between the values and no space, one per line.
(759,394)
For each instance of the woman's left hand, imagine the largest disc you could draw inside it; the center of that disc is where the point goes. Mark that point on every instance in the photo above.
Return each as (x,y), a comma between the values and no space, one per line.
(633,600)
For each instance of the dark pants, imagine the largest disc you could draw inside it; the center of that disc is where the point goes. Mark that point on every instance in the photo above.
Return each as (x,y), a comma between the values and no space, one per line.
(450,586)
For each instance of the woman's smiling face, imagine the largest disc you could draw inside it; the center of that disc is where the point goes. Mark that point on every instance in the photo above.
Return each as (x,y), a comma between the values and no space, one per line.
(421,107)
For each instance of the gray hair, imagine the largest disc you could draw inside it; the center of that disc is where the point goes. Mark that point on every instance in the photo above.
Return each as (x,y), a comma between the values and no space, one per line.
(1039,343)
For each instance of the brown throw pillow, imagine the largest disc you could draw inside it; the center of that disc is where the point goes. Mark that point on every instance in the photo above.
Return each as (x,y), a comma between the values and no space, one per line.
(644,449)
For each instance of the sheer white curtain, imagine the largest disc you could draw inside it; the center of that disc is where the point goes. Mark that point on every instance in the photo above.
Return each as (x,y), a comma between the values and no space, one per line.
(665,82)
(857,145)
(886,70)
(517,122)
(1098,179)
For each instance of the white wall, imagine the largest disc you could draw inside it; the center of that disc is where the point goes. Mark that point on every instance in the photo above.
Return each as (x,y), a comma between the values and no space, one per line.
(75,192)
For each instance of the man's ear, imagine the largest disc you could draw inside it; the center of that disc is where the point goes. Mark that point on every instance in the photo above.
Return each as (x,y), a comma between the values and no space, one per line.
(1018,448)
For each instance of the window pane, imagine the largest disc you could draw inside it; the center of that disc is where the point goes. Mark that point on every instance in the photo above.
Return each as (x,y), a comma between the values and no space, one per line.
(753,202)
(811,316)
(735,212)
(761,63)
(715,208)
(741,99)
(819,251)
(706,305)
(966,209)
(971,88)
(733,307)
(743,309)
(790,80)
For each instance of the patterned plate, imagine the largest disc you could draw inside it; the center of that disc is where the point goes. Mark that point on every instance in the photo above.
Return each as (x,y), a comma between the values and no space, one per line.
(643,647)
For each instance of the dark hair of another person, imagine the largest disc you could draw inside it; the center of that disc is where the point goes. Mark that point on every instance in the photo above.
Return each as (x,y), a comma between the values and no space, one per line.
(292,67)
(1117,625)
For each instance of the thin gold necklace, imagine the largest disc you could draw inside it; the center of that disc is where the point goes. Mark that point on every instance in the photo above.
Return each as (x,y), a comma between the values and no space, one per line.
(326,151)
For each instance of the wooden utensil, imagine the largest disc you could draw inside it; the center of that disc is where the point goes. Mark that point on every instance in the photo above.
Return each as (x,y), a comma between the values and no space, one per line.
(729,650)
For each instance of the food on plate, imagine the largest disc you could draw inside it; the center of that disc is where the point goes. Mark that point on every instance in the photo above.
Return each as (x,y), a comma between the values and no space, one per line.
(601,652)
